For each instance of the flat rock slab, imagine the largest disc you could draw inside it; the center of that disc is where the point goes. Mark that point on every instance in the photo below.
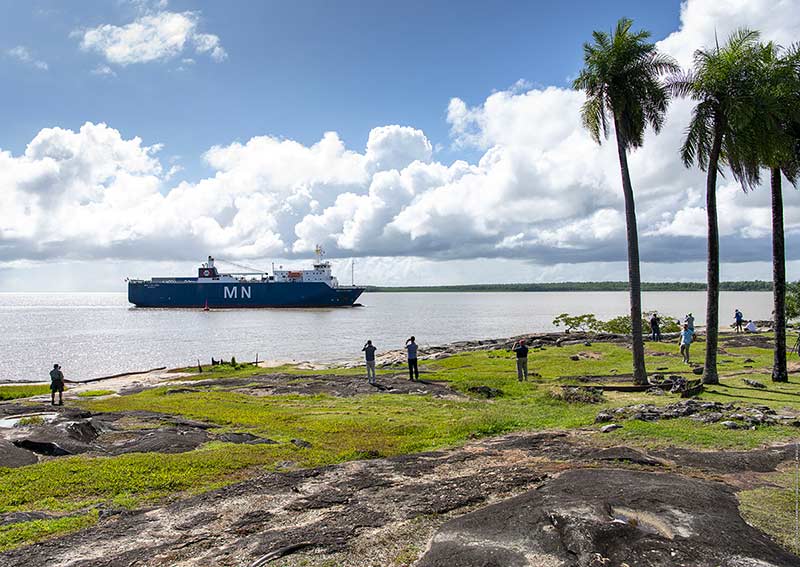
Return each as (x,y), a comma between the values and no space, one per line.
(396,382)
(588,517)
(363,512)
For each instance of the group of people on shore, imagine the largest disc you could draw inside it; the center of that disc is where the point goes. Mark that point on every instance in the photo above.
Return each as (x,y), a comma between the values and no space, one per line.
(411,351)
(520,348)
(411,347)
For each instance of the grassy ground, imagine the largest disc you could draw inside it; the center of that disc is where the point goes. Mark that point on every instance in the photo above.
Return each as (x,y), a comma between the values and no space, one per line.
(94,393)
(24,391)
(13,535)
(341,429)
(773,509)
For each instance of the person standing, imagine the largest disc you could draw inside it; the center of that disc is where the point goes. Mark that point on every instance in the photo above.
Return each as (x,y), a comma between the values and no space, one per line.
(738,318)
(521,351)
(689,320)
(686,341)
(655,327)
(369,354)
(413,368)
(56,385)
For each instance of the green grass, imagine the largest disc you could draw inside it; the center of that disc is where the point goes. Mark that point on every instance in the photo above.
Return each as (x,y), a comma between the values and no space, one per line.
(73,483)
(95,393)
(346,428)
(32,420)
(772,509)
(14,535)
(23,391)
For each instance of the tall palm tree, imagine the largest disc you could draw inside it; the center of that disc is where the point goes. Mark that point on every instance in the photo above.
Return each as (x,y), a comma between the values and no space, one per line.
(622,80)
(724,82)
(779,150)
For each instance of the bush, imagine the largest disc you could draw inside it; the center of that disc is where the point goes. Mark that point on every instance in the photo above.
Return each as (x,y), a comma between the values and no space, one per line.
(578,395)
(585,322)
(792,301)
(618,325)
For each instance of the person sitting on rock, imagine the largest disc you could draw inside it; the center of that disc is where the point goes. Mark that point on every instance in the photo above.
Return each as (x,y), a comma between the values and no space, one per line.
(369,354)
(413,368)
(751,327)
(522,359)
(56,385)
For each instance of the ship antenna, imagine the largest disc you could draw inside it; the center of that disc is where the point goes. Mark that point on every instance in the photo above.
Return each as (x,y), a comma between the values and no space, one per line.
(353,272)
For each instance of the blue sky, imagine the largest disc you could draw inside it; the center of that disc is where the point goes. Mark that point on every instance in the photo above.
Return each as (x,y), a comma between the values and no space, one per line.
(297,69)
(435,142)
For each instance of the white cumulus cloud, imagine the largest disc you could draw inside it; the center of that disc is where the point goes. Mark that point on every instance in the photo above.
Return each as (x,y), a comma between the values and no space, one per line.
(152,37)
(542,190)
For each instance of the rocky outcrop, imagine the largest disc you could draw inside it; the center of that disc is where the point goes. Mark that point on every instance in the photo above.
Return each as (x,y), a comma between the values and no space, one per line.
(500,501)
(595,517)
(707,412)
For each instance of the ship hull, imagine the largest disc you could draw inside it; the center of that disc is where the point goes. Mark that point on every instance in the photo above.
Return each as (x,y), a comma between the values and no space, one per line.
(184,294)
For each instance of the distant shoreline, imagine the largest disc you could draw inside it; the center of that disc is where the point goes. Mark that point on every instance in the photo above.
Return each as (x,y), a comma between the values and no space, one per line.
(752,285)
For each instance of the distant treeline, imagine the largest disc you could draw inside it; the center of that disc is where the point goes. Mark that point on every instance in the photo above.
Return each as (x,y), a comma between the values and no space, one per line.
(756,285)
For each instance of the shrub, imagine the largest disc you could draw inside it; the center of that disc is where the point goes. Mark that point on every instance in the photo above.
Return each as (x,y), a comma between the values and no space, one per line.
(585,322)
(578,395)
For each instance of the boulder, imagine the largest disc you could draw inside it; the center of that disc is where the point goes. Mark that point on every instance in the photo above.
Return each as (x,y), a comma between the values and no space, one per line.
(610,427)
(246,438)
(12,456)
(485,391)
(594,517)
(47,448)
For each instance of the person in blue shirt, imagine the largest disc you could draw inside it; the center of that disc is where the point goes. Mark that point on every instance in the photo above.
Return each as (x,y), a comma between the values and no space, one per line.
(413,369)
(686,341)
(369,355)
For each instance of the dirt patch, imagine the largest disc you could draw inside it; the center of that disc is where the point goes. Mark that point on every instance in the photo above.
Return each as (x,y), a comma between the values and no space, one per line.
(342,386)
(747,340)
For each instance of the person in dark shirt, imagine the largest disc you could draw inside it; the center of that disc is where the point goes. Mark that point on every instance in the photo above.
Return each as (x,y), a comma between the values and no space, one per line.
(369,354)
(413,368)
(655,327)
(738,319)
(56,385)
(522,359)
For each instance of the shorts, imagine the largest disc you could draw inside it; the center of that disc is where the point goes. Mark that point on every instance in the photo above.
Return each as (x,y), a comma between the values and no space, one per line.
(57,386)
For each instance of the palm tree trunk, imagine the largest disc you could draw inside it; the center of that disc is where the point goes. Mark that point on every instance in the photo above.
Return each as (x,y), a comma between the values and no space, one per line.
(779,373)
(710,375)
(634,279)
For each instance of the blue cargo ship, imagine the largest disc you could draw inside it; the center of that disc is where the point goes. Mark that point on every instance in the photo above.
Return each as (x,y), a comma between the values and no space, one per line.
(212,289)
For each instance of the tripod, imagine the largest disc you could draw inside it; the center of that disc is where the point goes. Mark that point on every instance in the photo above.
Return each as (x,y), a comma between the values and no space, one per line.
(796,347)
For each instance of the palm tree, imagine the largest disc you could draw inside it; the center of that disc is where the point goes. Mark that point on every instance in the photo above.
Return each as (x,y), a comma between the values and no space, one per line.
(622,80)
(724,82)
(779,151)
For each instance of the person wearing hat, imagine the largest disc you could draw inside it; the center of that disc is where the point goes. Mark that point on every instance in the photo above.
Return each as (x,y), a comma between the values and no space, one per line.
(522,359)
(56,385)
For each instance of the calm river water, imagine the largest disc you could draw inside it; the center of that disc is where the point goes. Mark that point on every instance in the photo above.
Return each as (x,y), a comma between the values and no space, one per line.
(96,334)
